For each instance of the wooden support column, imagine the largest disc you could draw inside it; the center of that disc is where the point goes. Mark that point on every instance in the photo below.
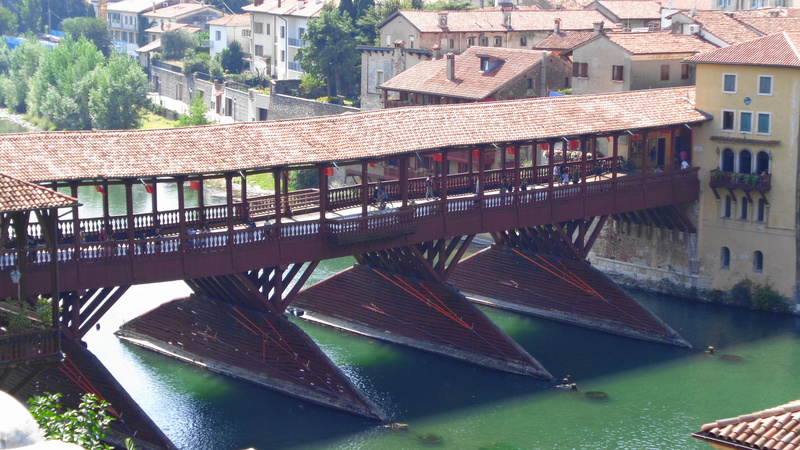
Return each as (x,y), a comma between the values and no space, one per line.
(154,202)
(551,156)
(201,202)
(585,167)
(181,210)
(245,203)
(481,185)
(77,235)
(106,213)
(445,174)
(277,175)
(403,168)
(287,206)
(21,220)
(671,156)
(615,156)
(229,206)
(129,215)
(323,192)
(516,181)
(365,195)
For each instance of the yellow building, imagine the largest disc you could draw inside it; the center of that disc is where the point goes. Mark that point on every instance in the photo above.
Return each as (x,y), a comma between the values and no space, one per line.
(749,213)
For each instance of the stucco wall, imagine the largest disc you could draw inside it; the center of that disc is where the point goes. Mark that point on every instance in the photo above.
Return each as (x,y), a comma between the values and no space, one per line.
(391,61)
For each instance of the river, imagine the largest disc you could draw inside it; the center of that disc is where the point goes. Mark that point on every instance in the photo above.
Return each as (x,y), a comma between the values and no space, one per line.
(657,394)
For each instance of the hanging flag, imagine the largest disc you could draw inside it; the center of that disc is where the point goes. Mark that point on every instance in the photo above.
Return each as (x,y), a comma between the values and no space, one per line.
(150,189)
(437,157)
(511,150)
(635,137)
(100,189)
(194,185)
(328,171)
(544,146)
(476,153)
(372,164)
(574,144)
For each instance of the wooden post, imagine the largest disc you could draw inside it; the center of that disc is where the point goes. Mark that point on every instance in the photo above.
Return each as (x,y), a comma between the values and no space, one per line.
(551,152)
(481,181)
(364,189)
(615,156)
(154,202)
(76,222)
(129,214)
(403,183)
(181,210)
(277,174)
(323,193)
(445,174)
(229,206)
(517,148)
(245,204)
(201,202)
(106,213)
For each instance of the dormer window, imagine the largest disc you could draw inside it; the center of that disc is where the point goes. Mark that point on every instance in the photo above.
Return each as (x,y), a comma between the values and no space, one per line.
(488,63)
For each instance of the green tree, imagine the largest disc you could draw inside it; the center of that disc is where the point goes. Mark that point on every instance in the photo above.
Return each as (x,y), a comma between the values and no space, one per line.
(8,21)
(347,6)
(60,88)
(118,95)
(196,115)
(232,58)
(24,63)
(30,16)
(331,51)
(92,29)
(196,62)
(367,24)
(452,5)
(85,426)
(175,44)
(54,11)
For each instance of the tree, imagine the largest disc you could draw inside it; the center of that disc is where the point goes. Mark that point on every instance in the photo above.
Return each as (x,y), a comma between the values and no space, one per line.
(331,51)
(92,29)
(61,86)
(196,115)
(231,6)
(452,5)
(8,21)
(367,24)
(175,44)
(232,58)
(24,63)
(118,95)
(30,16)
(85,426)
(347,6)
(54,11)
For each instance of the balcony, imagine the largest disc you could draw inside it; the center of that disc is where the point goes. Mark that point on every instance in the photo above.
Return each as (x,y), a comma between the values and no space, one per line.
(744,181)
(294,42)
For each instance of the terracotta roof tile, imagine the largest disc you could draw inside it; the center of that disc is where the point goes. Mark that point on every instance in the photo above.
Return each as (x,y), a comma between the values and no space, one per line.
(564,40)
(50,156)
(133,6)
(659,43)
(176,10)
(768,12)
(633,9)
(723,26)
(17,195)
(430,77)
(492,20)
(779,49)
(310,8)
(172,26)
(772,25)
(232,20)
(771,428)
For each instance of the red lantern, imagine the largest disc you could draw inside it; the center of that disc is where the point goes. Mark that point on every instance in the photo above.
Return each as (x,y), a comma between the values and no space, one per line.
(328,171)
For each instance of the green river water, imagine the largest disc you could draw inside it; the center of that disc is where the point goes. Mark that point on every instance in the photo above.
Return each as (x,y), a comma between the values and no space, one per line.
(657,395)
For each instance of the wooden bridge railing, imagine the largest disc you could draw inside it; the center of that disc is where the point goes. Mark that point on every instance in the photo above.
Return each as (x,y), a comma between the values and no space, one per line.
(346,229)
(29,345)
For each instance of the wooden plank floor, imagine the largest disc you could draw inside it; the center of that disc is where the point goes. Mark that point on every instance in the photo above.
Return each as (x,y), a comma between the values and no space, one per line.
(262,348)
(421,314)
(559,288)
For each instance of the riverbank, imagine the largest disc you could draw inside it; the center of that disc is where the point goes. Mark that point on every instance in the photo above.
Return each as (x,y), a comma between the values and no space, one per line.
(16,119)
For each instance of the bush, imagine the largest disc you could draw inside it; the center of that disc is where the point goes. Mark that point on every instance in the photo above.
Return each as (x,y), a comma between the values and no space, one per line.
(85,426)
(740,294)
(764,298)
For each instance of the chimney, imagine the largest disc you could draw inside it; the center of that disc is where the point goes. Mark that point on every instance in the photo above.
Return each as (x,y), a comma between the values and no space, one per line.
(154,6)
(437,51)
(450,60)
(557,27)
(301,4)
(443,19)
(258,2)
(598,27)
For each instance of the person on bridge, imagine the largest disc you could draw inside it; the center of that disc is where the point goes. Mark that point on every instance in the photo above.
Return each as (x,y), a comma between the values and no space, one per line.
(381,196)
(429,194)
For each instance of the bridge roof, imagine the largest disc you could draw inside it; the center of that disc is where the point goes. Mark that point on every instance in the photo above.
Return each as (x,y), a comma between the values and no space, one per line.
(17,195)
(76,155)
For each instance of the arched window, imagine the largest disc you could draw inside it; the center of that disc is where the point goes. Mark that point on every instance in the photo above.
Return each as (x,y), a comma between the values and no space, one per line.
(745,162)
(726,211)
(762,162)
(727,160)
(725,258)
(761,211)
(758,262)
(743,213)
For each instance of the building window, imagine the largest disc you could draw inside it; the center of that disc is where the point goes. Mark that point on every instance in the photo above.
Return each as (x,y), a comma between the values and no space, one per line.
(484,42)
(727,160)
(245,33)
(727,208)
(523,42)
(758,262)
(725,258)
(217,35)
(684,71)
(530,83)
(762,162)
(283,55)
(761,210)
(498,41)
(745,121)
(580,70)
(743,212)
(452,43)
(470,41)
(379,77)
(728,120)
(764,85)
(723,4)
(283,32)
(665,72)
(259,50)
(616,73)
(268,29)
(258,27)
(729,83)
(745,162)
(300,32)
(763,123)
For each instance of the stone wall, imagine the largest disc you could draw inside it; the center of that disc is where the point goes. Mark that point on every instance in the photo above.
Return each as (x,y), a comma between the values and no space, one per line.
(286,107)
(172,84)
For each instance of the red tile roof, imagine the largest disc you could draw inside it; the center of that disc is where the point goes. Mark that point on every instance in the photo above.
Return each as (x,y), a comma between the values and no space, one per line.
(772,25)
(662,42)
(492,20)
(172,26)
(232,20)
(723,26)
(779,49)
(774,428)
(633,9)
(768,12)
(49,156)
(17,195)
(430,77)
(310,8)
(564,40)
(176,10)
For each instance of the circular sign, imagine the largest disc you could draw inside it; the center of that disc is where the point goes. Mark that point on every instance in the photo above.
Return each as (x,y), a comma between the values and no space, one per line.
(747,100)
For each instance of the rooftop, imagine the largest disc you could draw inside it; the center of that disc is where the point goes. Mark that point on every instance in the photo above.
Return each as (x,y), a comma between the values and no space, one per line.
(232,20)
(172,26)
(492,20)
(131,6)
(18,195)
(564,40)
(662,42)
(721,25)
(633,9)
(772,25)
(310,8)
(780,49)
(176,10)
(774,428)
(72,155)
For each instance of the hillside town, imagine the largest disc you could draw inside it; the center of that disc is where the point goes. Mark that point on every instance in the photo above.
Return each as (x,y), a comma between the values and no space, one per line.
(366,116)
